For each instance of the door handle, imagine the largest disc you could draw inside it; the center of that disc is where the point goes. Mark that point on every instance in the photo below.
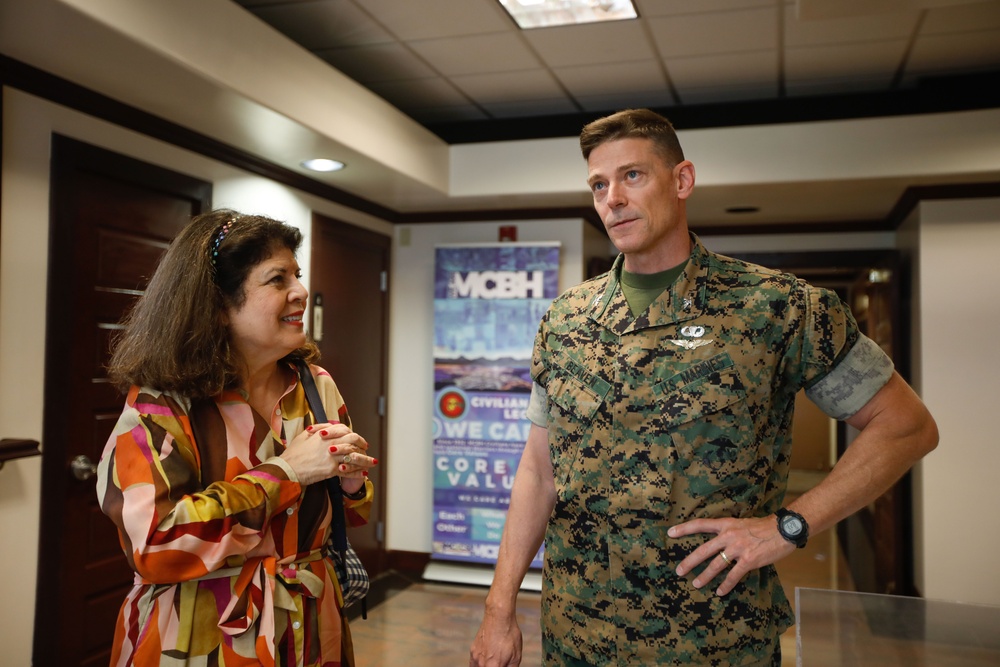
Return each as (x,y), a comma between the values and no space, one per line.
(83,468)
(317,323)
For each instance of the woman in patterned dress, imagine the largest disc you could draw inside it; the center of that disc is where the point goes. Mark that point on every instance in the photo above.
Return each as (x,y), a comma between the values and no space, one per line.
(214,472)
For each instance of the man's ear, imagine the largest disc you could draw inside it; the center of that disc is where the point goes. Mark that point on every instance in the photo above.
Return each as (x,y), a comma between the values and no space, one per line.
(684,177)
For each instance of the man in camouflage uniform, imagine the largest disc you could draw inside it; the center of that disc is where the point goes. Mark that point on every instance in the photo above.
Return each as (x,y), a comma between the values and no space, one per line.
(658,454)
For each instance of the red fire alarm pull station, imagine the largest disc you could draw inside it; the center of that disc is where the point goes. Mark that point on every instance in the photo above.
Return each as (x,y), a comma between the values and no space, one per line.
(508,233)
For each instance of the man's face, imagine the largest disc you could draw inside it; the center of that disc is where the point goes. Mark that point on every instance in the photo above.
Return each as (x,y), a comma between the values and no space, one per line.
(640,199)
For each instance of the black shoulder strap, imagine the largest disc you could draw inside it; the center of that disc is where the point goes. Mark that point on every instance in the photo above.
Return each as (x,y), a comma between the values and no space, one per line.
(338,523)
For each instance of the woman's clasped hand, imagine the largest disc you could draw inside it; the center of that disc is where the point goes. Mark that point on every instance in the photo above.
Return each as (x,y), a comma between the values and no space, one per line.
(322,451)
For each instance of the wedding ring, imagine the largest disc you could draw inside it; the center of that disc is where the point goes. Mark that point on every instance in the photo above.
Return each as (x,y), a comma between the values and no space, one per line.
(723,554)
(347,458)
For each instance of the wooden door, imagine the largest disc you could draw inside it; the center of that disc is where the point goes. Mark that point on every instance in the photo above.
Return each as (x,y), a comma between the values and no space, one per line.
(349,276)
(111,219)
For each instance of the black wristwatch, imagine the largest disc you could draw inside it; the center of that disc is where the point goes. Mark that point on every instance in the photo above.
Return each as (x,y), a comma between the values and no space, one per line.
(793,527)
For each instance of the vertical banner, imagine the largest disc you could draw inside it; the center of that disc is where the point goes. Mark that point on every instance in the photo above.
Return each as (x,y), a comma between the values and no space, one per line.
(488,301)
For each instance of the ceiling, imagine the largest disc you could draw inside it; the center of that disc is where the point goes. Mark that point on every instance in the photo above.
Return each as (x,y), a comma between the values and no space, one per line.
(465,70)
(822,114)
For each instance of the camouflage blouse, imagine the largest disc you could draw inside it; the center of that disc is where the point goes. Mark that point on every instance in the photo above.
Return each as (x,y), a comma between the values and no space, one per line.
(682,412)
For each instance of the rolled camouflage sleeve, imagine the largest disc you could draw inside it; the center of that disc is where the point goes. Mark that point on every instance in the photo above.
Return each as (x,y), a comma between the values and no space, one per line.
(843,391)
(538,406)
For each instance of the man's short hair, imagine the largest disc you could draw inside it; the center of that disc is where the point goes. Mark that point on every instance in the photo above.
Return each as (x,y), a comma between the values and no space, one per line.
(633,124)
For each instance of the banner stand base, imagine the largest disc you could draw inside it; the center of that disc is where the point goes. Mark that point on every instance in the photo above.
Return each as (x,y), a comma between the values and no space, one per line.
(459,573)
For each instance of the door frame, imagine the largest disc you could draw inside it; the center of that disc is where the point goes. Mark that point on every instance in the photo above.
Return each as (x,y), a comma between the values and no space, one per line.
(377,560)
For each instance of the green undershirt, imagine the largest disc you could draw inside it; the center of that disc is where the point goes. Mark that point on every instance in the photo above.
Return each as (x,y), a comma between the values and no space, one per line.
(641,289)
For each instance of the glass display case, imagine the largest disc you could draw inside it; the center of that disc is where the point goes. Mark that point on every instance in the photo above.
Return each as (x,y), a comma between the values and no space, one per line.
(846,628)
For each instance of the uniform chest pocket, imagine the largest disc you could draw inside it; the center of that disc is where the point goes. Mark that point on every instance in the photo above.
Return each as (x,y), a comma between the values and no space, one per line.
(704,411)
(575,398)
(577,392)
(708,387)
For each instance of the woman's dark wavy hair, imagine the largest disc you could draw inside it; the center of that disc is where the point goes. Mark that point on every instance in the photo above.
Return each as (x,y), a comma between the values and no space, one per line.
(175,337)
(633,124)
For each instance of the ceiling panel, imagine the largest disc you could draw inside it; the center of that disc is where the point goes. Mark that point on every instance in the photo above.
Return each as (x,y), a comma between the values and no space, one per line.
(868,61)
(477,54)
(970,17)
(864,28)
(378,62)
(411,20)
(731,32)
(640,77)
(616,42)
(517,87)
(674,7)
(741,69)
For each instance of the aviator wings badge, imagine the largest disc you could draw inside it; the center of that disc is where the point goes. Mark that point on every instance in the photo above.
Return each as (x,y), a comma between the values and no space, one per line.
(694,337)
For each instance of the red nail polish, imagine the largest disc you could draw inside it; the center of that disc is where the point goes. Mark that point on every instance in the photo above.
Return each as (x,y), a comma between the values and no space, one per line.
(343,467)
(323,432)
(364,472)
(374,462)
(309,429)
(333,448)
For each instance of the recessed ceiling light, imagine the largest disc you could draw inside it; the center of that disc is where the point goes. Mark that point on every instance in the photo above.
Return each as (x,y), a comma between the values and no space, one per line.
(549,13)
(323,164)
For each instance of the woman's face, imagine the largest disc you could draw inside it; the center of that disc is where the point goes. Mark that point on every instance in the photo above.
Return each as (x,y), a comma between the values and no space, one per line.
(269,323)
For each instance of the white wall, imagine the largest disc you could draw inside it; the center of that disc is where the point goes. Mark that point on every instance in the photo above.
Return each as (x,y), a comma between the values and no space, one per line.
(409,515)
(958,363)
(28,124)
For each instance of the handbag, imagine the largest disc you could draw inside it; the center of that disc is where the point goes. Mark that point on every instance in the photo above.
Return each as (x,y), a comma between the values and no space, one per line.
(352,575)
(351,572)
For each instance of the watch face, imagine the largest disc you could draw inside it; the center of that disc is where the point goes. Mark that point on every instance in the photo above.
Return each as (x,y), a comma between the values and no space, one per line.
(791,525)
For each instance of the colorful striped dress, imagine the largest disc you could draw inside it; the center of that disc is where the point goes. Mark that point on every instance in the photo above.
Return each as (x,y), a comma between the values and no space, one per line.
(225,544)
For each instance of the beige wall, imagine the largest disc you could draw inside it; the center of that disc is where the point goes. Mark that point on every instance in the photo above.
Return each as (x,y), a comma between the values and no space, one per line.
(957,363)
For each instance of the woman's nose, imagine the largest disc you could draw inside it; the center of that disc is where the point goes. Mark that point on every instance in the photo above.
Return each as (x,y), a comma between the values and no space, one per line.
(298,292)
